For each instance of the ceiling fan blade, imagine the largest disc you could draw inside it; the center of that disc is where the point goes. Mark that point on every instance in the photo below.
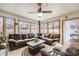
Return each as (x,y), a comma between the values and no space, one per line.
(39,7)
(39,10)
(32,12)
(46,11)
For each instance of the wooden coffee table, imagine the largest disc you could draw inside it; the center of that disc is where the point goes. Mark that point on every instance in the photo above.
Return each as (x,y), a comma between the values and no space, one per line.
(34,47)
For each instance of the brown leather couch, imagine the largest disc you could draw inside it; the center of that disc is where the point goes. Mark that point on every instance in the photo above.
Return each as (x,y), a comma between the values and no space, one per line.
(27,37)
(18,40)
(50,38)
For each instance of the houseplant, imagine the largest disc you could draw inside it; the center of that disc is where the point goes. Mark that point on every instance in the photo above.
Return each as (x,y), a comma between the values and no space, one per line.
(2,39)
(36,39)
(39,35)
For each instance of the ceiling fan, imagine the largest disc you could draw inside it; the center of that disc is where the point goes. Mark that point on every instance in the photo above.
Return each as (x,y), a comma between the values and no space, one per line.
(40,9)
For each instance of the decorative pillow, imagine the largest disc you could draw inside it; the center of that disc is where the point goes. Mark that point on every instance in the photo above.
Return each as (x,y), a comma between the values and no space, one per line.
(58,47)
(56,38)
(54,43)
(19,41)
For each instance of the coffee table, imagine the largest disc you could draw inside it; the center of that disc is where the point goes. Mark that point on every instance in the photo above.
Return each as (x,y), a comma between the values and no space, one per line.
(34,47)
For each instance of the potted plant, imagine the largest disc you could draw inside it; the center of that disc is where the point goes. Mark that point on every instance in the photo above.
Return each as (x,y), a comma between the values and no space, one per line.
(36,39)
(2,40)
(39,35)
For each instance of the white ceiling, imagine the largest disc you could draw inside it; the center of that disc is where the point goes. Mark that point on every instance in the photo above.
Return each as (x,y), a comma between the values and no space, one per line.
(22,9)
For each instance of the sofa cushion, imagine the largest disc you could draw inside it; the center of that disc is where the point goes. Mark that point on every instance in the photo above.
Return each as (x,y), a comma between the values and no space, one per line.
(56,35)
(17,36)
(24,36)
(20,41)
(58,47)
(51,36)
(27,39)
(50,39)
(11,36)
(56,39)
(54,43)
(12,40)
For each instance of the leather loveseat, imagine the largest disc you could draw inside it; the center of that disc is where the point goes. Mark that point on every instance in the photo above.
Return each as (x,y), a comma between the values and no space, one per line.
(50,38)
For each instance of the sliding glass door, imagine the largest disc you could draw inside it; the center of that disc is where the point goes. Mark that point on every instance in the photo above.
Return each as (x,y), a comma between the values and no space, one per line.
(66,30)
(71,29)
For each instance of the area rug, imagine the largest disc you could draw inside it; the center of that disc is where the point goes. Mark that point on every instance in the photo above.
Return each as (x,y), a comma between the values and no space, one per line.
(26,52)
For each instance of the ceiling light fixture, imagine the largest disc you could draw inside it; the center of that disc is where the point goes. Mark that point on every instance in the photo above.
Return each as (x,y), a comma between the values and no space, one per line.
(39,14)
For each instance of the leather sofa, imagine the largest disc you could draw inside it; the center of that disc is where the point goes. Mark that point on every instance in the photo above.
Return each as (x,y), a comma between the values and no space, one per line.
(50,38)
(27,37)
(18,40)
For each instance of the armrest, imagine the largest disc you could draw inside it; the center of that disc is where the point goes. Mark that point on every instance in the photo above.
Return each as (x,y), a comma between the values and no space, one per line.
(12,44)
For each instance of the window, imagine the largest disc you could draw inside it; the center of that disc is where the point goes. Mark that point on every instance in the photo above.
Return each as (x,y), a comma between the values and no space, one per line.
(50,27)
(71,28)
(34,28)
(24,27)
(74,26)
(1,24)
(9,25)
(54,27)
(43,28)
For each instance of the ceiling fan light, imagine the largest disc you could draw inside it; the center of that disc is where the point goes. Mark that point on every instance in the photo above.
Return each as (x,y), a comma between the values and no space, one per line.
(39,14)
